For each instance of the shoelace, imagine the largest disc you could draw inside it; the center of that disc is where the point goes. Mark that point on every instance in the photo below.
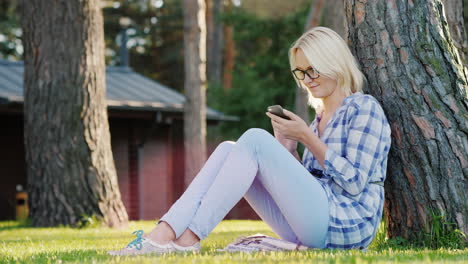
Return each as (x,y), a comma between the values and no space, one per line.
(138,241)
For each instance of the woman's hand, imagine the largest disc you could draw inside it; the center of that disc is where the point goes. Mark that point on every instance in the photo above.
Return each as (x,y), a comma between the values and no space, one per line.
(288,132)
(290,145)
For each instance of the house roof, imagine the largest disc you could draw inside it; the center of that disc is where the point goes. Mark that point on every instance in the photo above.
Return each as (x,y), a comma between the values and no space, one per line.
(125,89)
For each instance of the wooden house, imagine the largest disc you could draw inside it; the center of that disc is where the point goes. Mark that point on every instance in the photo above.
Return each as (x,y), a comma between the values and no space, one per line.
(146,126)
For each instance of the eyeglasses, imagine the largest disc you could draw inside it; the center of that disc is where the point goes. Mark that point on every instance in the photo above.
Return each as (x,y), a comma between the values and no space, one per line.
(311,72)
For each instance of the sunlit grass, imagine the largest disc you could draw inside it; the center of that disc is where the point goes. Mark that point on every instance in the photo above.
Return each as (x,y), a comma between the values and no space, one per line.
(89,245)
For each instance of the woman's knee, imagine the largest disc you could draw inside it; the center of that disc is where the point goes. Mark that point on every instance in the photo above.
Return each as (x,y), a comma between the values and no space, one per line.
(225,145)
(255,138)
(256,134)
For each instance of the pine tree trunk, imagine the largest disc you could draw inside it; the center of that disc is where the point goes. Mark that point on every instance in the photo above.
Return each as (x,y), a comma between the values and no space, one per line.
(195,87)
(70,166)
(209,36)
(454,13)
(334,17)
(408,57)
(229,56)
(315,14)
(215,42)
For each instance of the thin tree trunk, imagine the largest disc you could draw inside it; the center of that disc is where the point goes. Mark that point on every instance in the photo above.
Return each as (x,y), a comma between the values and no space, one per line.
(315,14)
(334,17)
(406,52)
(229,56)
(195,87)
(453,10)
(209,36)
(70,167)
(215,46)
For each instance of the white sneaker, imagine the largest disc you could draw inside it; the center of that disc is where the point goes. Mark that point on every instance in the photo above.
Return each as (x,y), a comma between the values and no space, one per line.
(141,245)
(193,248)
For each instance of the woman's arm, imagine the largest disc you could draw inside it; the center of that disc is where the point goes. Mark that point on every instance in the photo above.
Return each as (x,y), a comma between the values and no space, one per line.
(296,155)
(315,145)
(289,132)
(368,138)
(367,142)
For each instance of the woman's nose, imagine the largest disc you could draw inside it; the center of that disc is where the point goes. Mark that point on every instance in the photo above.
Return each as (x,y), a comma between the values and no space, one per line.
(307,79)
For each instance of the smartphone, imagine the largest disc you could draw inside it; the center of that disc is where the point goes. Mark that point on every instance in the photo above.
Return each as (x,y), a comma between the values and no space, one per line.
(277,110)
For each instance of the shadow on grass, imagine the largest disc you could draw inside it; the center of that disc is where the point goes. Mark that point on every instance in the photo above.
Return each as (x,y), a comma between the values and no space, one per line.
(14,225)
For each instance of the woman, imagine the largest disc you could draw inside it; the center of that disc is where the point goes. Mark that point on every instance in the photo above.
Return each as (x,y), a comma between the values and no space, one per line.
(333,199)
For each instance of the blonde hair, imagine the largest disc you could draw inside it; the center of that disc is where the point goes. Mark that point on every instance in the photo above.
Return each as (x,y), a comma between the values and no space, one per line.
(330,55)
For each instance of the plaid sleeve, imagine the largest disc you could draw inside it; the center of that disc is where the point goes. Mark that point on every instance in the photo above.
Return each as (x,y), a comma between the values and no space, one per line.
(363,148)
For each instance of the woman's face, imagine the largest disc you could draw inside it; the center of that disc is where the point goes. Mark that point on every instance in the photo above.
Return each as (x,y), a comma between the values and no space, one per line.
(320,87)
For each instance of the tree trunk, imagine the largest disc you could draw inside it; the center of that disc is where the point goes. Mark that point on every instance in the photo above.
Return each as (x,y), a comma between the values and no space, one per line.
(315,14)
(209,36)
(408,57)
(229,56)
(195,87)
(215,42)
(70,167)
(454,14)
(334,17)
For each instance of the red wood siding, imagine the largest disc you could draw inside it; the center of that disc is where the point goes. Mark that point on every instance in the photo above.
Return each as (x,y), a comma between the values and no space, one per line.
(155,176)
(119,140)
(242,210)
(160,167)
(12,160)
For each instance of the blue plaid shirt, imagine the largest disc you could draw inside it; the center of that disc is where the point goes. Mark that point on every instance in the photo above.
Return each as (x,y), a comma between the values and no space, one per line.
(358,140)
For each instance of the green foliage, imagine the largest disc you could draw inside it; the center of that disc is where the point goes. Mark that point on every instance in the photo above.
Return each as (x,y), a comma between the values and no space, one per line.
(11,47)
(261,75)
(442,233)
(89,221)
(155,38)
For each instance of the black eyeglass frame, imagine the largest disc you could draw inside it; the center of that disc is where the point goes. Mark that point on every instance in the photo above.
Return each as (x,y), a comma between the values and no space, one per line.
(305,72)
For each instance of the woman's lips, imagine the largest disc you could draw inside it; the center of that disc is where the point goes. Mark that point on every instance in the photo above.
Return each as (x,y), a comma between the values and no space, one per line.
(313,87)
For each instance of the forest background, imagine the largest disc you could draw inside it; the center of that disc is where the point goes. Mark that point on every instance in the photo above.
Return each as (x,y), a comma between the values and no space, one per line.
(258,52)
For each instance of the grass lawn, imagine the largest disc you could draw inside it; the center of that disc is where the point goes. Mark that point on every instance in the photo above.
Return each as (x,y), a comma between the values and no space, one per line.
(89,245)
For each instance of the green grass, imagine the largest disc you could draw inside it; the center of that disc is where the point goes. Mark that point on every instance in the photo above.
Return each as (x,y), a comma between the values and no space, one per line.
(21,244)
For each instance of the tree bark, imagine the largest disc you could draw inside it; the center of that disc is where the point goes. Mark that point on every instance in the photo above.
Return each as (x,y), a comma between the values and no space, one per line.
(70,167)
(229,56)
(315,14)
(215,42)
(195,87)
(209,35)
(334,17)
(409,59)
(453,10)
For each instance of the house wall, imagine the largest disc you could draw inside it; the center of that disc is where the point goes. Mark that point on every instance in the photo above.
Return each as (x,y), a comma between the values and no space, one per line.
(242,210)
(119,141)
(144,170)
(12,163)
(155,175)
(160,166)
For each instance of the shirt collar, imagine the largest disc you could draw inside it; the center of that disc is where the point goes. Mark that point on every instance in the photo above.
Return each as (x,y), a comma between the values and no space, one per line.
(346,101)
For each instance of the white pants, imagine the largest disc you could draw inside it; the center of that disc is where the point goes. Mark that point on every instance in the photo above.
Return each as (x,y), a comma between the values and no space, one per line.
(277,186)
